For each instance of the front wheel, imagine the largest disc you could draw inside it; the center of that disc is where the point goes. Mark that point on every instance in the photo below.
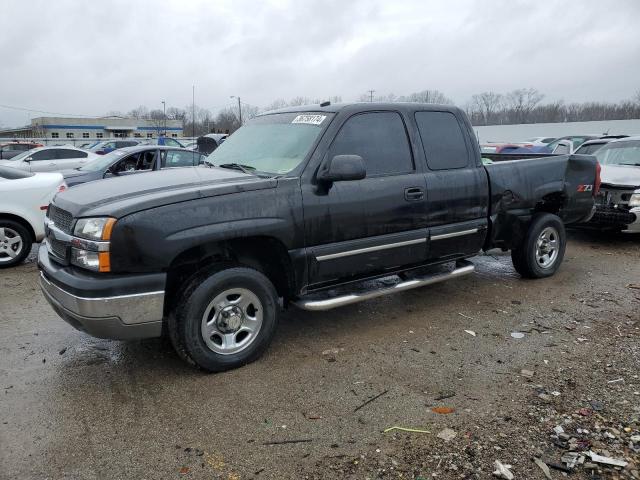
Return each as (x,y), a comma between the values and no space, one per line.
(15,243)
(542,250)
(225,318)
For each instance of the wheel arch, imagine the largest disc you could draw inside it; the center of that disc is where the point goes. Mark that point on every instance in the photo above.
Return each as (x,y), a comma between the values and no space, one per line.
(265,254)
(22,221)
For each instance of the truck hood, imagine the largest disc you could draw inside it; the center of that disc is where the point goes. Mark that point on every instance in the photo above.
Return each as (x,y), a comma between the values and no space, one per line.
(120,196)
(621,176)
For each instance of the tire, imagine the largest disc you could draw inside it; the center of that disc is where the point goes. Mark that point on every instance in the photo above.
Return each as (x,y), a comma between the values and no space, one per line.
(224,318)
(15,243)
(541,252)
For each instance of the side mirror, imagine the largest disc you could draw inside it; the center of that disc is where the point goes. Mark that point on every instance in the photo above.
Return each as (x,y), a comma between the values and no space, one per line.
(28,159)
(342,168)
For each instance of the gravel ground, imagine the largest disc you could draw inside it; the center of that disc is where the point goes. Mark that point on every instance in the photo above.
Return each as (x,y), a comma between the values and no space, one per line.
(77,407)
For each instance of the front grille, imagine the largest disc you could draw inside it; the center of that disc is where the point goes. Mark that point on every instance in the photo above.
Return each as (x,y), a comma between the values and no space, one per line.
(57,247)
(60,218)
(609,215)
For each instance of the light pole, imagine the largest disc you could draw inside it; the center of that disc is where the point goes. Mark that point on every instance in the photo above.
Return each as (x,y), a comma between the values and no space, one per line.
(164,116)
(239,109)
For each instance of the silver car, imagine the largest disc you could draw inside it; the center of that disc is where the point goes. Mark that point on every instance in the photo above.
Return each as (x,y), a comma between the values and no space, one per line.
(50,159)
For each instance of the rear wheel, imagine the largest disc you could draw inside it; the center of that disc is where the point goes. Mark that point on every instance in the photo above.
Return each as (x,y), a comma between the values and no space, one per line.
(15,243)
(542,249)
(225,318)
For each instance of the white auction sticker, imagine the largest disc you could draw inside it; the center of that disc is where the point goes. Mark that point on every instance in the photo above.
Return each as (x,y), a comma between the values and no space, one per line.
(309,119)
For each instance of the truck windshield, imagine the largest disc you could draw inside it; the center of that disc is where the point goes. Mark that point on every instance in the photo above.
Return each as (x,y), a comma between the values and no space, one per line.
(620,153)
(273,144)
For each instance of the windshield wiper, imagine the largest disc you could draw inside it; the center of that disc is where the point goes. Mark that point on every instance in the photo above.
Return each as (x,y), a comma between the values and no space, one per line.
(238,166)
(630,164)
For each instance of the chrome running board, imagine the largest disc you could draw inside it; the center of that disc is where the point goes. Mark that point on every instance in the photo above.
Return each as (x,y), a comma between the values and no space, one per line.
(313,302)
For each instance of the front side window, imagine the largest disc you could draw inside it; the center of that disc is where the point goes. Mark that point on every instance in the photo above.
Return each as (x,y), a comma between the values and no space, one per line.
(179,158)
(443,141)
(273,144)
(620,153)
(43,155)
(379,138)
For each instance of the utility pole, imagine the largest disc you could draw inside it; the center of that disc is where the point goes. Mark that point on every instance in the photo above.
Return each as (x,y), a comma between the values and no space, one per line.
(371,92)
(164,116)
(239,109)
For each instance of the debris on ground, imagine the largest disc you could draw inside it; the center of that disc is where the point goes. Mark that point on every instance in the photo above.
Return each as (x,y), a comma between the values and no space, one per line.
(502,470)
(447,434)
(471,332)
(405,429)
(607,460)
(370,400)
(543,466)
(443,410)
(63,351)
(526,373)
(517,335)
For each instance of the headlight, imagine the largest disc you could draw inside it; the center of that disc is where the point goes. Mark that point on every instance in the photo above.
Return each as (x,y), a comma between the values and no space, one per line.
(91,260)
(94,228)
(634,201)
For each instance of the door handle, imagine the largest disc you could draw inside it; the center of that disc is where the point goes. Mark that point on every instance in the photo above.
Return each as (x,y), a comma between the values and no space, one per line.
(413,193)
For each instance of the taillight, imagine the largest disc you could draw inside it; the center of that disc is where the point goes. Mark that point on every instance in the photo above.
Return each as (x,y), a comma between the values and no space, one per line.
(596,186)
(62,188)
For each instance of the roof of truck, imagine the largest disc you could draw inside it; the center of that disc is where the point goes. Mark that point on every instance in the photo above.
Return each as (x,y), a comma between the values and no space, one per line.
(365,106)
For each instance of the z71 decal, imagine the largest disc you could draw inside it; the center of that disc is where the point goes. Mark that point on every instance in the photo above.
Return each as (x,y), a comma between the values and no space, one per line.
(585,188)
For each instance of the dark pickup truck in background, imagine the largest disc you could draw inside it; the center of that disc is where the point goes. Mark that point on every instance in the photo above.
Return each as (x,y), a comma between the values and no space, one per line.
(303,206)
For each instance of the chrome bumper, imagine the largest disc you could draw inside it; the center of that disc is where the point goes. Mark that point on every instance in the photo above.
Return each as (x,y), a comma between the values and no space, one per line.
(121,317)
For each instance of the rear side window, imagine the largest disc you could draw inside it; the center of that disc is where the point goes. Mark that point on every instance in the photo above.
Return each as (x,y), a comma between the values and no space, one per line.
(443,140)
(379,138)
(65,153)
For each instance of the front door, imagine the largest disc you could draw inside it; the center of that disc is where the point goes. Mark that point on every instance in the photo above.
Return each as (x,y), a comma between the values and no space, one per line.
(367,226)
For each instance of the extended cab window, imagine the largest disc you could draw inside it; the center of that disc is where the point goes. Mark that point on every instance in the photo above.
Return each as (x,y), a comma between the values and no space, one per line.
(275,143)
(442,140)
(379,138)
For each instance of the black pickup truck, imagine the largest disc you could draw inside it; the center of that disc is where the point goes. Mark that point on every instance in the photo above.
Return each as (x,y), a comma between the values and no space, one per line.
(305,206)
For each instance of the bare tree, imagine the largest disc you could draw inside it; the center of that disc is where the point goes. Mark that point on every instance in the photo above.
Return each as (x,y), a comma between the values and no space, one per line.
(521,102)
(487,105)
(636,97)
(227,121)
(428,96)
(297,101)
(275,105)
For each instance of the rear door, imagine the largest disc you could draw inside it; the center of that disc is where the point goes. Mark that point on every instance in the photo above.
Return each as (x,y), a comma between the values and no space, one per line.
(68,159)
(457,186)
(371,225)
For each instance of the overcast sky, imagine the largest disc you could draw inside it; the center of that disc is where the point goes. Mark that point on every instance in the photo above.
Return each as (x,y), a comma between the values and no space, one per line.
(92,57)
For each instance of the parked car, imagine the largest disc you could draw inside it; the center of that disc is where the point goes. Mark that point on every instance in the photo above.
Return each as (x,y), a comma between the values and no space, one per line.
(102,148)
(164,141)
(300,207)
(591,146)
(11,149)
(618,202)
(208,143)
(539,141)
(569,143)
(25,197)
(499,147)
(50,159)
(132,160)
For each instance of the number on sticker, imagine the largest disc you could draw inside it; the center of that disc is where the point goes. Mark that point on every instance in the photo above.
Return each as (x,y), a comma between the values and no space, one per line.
(309,119)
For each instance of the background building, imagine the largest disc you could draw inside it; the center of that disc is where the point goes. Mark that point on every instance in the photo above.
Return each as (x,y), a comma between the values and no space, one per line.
(71,128)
